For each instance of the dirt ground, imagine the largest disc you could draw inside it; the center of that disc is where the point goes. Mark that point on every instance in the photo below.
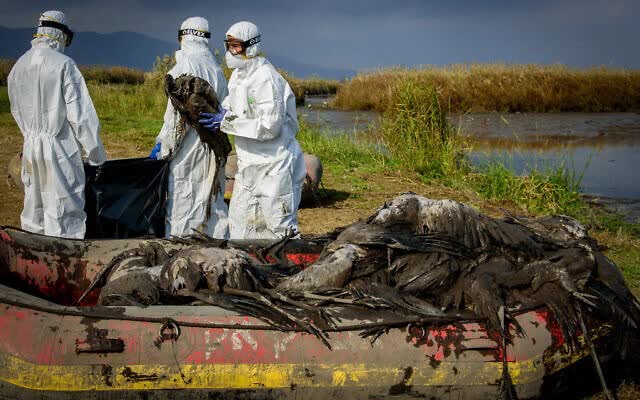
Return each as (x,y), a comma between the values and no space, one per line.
(12,197)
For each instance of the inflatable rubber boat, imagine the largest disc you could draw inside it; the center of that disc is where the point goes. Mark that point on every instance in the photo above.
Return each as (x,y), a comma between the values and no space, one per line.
(51,347)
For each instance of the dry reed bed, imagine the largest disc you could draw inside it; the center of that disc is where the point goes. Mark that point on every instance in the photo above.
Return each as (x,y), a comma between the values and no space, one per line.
(501,87)
(97,74)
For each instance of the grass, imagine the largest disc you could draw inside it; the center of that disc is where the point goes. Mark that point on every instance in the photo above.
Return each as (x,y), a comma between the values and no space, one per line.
(418,136)
(130,113)
(501,87)
(553,189)
(113,75)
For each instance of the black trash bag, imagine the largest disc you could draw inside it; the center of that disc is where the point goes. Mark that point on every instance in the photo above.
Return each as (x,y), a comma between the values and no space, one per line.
(126,198)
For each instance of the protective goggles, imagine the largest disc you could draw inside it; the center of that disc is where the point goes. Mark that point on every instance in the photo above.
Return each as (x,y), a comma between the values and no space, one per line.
(245,44)
(194,32)
(57,25)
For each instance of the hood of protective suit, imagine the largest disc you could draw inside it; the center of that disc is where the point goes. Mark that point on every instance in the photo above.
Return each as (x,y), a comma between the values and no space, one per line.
(51,37)
(244,31)
(193,43)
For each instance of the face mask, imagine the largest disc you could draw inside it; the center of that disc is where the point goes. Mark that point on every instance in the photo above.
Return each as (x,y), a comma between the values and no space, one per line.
(234,61)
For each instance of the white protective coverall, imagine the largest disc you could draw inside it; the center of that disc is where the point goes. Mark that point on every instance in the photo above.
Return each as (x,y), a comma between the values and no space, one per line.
(271,170)
(52,107)
(193,166)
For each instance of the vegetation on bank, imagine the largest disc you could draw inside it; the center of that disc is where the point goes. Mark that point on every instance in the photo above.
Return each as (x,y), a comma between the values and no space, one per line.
(501,87)
(113,75)
(95,73)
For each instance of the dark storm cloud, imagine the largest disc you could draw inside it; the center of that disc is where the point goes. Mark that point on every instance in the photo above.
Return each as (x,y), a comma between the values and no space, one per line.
(367,34)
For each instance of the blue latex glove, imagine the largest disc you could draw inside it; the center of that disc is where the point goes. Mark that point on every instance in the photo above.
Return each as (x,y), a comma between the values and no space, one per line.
(212,122)
(155,151)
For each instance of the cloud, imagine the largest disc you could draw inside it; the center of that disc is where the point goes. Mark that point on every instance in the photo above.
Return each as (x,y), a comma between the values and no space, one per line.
(369,33)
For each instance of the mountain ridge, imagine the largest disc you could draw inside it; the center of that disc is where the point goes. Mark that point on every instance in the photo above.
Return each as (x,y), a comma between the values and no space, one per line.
(136,50)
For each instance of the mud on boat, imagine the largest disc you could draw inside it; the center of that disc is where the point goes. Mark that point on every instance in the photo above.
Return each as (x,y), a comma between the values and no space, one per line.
(51,348)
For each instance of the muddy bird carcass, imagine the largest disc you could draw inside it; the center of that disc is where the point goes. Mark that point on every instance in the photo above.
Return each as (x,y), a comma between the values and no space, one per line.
(402,304)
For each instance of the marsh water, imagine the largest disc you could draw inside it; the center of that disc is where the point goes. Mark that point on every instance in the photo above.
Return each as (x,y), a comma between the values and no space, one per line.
(602,149)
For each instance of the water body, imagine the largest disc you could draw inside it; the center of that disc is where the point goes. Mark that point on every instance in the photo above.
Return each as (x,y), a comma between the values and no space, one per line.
(318,113)
(601,148)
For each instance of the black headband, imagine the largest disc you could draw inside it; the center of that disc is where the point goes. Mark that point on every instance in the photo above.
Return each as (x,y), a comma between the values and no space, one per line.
(251,42)
(57,25)
(245,44)
(194,32)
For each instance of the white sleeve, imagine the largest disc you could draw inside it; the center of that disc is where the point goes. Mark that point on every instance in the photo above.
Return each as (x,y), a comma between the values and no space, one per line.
(82,115)
(220,86)
(270,111)
(167,135)
(13,100)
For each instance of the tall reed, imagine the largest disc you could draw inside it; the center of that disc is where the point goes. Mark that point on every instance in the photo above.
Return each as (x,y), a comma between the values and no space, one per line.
(501,87)
(417,134)
(91,73)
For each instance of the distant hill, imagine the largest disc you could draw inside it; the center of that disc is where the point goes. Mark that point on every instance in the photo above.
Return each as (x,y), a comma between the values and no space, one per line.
(135,50)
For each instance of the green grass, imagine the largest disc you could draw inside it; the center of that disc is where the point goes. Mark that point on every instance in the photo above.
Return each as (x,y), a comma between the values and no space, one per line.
(131,113)
(343,153)
(553,189)
(418,136)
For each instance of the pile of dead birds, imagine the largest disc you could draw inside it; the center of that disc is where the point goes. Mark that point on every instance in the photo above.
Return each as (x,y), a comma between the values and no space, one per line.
(439,260)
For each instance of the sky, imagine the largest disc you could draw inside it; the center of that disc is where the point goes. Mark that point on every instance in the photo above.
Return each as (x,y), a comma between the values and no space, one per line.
(369,34)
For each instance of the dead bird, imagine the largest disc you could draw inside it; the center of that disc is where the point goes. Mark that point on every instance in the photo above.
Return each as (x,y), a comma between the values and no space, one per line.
(113,278)
(459,259)
(213,268)
(190,96)
(516,263)
(360,251)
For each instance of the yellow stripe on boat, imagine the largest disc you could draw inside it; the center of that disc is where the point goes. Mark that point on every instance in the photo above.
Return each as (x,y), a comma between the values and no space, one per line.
(268,376)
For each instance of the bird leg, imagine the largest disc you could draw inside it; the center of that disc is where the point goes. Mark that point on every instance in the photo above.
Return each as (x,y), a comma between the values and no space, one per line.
(287,300)
(275,249)
(307,326)
(594,356)
(329,299)
(506,390)
(585,298)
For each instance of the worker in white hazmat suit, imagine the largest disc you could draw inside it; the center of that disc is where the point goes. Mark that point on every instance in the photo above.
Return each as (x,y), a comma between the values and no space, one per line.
(193,166)
(260,112)
(52,107)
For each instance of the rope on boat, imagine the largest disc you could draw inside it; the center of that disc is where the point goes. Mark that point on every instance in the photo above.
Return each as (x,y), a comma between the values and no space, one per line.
(97,313)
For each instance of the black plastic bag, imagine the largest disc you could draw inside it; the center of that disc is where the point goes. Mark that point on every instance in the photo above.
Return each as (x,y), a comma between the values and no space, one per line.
(126,198)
